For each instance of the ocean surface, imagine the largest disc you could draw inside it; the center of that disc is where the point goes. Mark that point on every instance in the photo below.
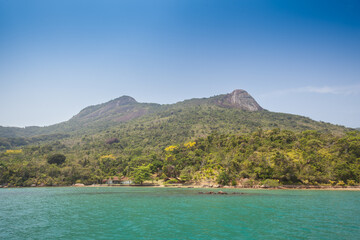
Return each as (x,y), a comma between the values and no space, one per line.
(172,213)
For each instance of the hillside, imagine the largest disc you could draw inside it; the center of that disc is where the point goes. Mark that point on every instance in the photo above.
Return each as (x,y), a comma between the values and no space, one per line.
(220,134)
(128,119)
(238,108)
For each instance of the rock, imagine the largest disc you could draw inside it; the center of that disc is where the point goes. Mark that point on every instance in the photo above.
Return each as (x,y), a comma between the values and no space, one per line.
(221,192)
(239,99)
(33,185)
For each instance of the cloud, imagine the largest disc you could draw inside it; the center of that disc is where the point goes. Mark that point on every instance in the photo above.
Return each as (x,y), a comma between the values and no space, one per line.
(343,90)
(337,90)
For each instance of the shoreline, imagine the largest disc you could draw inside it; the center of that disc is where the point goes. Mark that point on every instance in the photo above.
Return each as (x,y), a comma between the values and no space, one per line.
(283,187)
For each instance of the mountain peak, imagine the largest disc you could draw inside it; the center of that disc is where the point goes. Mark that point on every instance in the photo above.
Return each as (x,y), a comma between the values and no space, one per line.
(123,100)
(241,99)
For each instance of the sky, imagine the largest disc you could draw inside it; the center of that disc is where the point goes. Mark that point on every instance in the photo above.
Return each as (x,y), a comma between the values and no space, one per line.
(58,57)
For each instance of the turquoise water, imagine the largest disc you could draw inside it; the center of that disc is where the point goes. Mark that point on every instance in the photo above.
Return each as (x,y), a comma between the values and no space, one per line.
(163,213)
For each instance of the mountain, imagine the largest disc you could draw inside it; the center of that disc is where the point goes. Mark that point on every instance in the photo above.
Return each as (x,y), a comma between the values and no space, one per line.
(121,109)
(125,108)
(236,111)
(229,138)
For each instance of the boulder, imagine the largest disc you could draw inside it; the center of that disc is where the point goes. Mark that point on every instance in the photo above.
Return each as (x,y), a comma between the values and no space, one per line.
(221,192)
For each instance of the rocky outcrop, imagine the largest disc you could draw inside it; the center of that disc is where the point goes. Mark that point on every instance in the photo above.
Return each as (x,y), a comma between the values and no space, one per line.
(238,99)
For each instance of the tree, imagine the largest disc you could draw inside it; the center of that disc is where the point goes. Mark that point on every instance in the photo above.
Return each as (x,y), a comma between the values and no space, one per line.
(223,178)
(56,159)
(141,174)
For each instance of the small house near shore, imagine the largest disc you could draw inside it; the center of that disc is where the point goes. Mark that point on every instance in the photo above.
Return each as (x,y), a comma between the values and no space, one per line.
(117,180)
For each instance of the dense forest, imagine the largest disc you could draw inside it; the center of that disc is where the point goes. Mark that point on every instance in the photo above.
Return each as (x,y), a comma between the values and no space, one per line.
(261,156)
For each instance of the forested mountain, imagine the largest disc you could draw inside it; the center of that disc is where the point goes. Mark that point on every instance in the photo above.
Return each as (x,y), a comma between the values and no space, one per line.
(225,113)
(222,138)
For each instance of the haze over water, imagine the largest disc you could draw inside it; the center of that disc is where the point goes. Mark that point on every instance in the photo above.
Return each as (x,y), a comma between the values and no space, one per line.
(164,213)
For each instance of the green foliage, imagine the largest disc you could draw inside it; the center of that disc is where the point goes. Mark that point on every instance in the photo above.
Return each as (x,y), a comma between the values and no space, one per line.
(141,174)
(271,183)
(56,159)
(223,178)
(224,151)
(172,181)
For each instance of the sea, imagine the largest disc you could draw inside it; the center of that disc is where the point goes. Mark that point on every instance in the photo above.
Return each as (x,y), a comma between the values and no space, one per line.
(177,213)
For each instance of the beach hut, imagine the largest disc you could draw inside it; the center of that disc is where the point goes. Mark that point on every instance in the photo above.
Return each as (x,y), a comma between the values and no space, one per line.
(107,181)
(126,181)
(116,180)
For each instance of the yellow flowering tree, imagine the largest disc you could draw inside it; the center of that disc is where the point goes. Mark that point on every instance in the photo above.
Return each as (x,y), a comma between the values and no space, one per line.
(171,148)
(110,156)
(13,151)
(189,144)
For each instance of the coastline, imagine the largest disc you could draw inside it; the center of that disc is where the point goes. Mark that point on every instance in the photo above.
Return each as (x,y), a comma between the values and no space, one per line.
(283,187)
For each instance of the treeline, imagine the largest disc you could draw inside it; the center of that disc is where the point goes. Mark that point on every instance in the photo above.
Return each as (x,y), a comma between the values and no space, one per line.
(263,156)
(8,143)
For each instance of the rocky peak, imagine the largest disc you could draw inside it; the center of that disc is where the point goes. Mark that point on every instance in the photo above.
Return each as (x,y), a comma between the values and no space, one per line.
(240,99)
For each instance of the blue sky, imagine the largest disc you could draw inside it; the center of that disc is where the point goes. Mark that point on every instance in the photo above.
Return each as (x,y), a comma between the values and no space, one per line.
(57,57)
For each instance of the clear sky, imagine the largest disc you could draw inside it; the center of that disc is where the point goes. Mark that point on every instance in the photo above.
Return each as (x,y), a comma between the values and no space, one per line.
(59,56)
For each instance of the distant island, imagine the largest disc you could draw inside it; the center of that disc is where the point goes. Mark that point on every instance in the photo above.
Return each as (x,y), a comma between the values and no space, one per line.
(225,140)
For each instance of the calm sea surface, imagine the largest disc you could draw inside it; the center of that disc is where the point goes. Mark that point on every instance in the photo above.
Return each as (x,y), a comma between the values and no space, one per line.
(164,213)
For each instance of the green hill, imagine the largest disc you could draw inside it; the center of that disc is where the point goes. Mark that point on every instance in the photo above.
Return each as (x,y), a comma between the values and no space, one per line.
(225,138)
(234,112)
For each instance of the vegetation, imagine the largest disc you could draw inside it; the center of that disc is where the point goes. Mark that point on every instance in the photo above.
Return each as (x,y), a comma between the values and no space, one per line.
(191,118)
(141,174)
(264,157)
(192,141)
(55,159)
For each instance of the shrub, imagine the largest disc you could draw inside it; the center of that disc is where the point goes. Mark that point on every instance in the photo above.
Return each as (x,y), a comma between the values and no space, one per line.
(340,183)
(172,181)
(351,182)
(271,182)
(233,182)
(332,182)
(223,178)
